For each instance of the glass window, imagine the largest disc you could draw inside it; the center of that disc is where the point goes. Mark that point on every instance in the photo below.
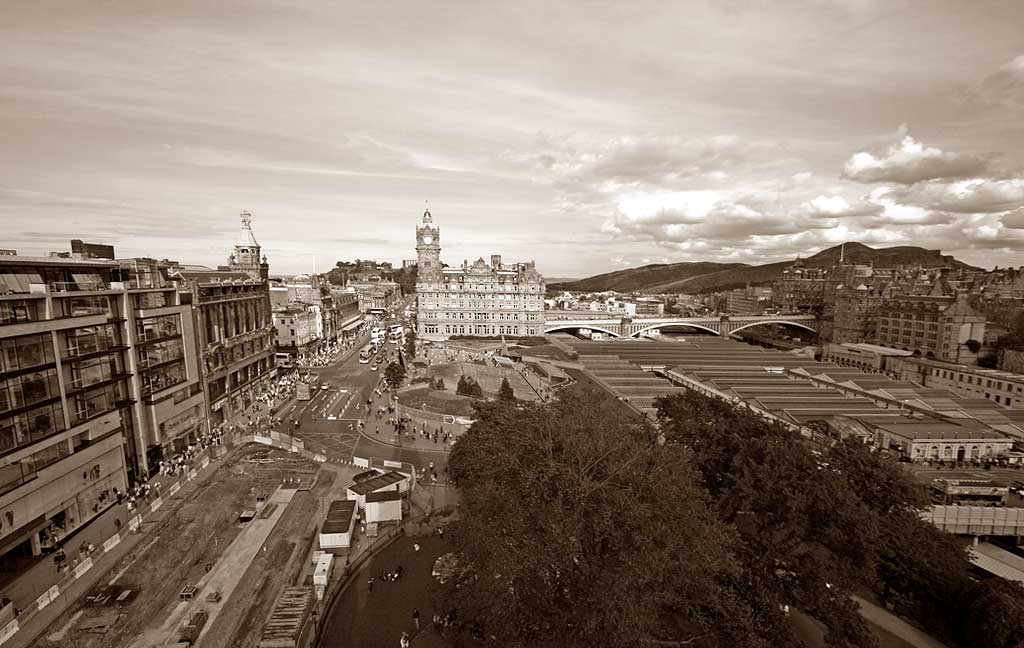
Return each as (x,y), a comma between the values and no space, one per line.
(152,328)
(14,312)
(92,371)
(162,377)
(94,403)
(90,339)
(22,429)
(150,300)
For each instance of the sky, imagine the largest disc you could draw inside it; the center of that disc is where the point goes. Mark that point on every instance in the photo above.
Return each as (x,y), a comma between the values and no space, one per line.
(588,136)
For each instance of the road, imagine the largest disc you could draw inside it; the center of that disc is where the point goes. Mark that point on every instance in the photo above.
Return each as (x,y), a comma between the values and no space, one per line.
(350,384)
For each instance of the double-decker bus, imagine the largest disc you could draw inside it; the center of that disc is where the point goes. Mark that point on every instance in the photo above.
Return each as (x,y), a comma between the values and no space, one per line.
(396,334)
(366,354)
(377,334)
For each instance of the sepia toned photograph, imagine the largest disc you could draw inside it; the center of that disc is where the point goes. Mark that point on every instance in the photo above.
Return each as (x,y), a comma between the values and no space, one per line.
(537,324)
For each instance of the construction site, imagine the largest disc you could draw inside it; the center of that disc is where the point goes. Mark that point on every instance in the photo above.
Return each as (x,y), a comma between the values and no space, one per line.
(210,563)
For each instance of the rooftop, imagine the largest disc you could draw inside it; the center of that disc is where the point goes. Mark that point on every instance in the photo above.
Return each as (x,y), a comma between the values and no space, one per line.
(376,483)
(937,430)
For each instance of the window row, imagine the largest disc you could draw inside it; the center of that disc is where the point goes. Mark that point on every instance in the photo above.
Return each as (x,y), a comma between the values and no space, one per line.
(25,352)
(160,352)
(19,310)
(27,389)
(93,403)
(81,306)
(164,376)
(91,339)
(16,473)
(152,328)
(26,428)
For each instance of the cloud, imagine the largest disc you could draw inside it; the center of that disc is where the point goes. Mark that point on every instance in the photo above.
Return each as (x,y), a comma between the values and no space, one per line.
(575,163)
(839,207)
(1014,220)
(909,161)
(978,195)
(1003,87)
(699,216)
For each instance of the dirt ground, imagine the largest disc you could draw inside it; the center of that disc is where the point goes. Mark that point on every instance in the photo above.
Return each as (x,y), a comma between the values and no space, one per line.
(241,622)
(185,537)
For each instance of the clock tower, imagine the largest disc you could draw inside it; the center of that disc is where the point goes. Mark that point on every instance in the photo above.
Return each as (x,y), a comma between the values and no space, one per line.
(428,247)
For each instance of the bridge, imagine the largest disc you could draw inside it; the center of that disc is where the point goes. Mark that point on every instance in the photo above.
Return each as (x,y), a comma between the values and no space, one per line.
(635,327)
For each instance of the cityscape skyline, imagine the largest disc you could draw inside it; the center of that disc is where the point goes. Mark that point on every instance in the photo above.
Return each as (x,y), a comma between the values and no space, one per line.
(775,131)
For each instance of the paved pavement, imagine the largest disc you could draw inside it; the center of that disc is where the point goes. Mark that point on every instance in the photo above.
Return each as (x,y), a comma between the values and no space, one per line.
(377,618)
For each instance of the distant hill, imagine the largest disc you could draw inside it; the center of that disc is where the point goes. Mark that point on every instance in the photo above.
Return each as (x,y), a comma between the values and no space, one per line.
(706,276)
(639,278)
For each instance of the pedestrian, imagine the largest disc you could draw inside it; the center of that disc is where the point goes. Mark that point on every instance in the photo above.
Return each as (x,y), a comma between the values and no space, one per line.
(416,617)
(415,546)
(370,583)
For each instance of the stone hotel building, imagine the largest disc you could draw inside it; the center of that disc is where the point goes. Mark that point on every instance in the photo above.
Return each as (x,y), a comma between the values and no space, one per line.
(477,299)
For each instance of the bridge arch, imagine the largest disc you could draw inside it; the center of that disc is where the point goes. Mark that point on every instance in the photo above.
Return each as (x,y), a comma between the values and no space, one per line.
(576,327)
(781,321)
(668,324)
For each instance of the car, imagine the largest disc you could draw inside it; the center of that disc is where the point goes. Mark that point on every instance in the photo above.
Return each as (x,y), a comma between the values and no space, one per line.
(325,386)
(373,367)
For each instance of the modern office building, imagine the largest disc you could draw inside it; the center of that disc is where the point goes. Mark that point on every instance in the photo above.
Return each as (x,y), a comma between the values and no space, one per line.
(479,299)
(65,399)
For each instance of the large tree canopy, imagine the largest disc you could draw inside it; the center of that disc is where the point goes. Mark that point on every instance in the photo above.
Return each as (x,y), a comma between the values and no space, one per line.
(578,529)
(584,525)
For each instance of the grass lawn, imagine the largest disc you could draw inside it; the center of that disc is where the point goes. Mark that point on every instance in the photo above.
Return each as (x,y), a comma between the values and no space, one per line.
(442,402)
(489,378)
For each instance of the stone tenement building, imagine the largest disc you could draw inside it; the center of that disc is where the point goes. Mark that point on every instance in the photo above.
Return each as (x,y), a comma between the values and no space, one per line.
(477,299)
(234,326)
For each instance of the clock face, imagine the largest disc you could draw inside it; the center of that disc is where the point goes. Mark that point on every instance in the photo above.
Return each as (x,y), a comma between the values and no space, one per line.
(428,239)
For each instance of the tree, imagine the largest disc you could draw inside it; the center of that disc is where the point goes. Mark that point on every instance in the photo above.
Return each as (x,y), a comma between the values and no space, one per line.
(808,541)
(993,614)
(578,529)
(505,392)
(394,374)
(410,344)
(469,387)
